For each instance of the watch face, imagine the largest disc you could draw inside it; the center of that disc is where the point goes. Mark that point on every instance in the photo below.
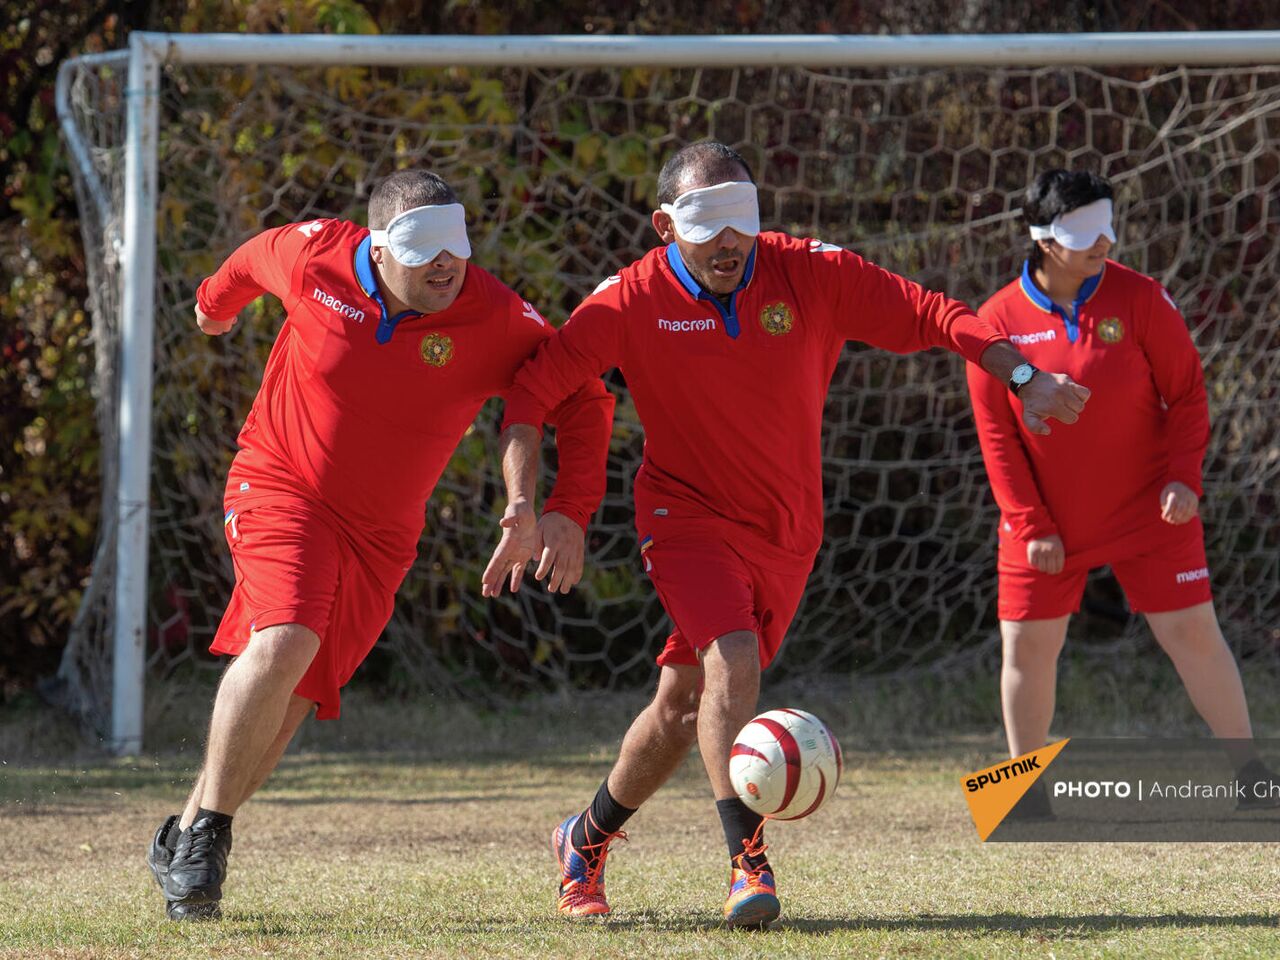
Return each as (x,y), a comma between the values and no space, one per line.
(1022,373)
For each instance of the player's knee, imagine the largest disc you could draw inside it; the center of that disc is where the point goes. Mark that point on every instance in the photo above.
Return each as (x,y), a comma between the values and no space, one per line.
(676,709)
(1031,647)
(288,647)
(679,721)
(1191,636)
(732,663)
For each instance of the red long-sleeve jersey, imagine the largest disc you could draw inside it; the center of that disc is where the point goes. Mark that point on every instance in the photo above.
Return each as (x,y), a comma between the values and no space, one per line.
(1097,483)
(731,399)
(361,410)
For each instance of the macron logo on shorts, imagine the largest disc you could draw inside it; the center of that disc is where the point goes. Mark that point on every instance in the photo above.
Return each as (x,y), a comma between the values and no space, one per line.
(686,326)
(337,306)
(1191,576)
(1040,336)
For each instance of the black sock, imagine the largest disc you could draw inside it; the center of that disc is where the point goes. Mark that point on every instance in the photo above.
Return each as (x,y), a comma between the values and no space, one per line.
(219,820)
(603,818)
(171,838)
(740,825)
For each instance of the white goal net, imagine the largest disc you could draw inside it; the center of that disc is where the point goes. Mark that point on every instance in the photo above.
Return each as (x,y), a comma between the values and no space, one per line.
(919,169)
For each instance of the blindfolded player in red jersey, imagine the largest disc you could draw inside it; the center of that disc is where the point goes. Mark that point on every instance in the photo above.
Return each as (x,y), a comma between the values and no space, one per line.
(392,342)
(1120,488)
(728,338)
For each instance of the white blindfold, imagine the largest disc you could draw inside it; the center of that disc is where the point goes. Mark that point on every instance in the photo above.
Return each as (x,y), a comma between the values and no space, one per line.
(701,215)
(417,236)
(1081,228)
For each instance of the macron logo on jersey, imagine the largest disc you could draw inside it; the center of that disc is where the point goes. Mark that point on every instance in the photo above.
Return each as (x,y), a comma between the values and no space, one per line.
(686,326)
(606,283)
(337,306)
(1191,576)
(533,314)
(1040,336)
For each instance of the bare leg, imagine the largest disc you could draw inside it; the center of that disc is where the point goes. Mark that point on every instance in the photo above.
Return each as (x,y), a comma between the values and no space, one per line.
(1194,642)
(659,738)
(731,666)
(1028,680)
(299,709)
(249,714)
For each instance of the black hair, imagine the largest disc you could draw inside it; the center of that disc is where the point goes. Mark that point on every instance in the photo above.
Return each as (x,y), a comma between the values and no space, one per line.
(707,162)
(404,190)
(1055,192)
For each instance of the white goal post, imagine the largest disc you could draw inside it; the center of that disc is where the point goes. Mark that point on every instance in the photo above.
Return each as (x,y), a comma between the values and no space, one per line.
(137,229)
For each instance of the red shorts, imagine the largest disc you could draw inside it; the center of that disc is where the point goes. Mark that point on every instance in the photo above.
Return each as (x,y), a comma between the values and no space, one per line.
(710,587)
(293,564)
(1170,575)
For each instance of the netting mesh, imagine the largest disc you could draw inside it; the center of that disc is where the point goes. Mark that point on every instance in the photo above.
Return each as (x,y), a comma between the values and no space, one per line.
(919,170)
(96,98)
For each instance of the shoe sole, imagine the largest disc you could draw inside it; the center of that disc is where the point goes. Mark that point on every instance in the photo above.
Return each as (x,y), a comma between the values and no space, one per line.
(181,911)
(1247,807)
(755,912)
(1049,817)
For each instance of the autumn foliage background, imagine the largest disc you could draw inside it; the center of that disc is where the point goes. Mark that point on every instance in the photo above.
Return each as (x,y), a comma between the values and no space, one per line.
(49,482)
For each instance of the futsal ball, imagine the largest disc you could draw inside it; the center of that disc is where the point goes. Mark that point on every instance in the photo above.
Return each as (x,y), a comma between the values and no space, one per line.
(785,764)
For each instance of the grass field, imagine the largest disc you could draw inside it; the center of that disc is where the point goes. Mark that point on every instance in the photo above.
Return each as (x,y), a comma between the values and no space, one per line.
(442,850)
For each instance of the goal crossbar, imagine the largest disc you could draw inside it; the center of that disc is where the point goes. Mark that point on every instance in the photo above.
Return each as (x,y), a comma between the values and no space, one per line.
(1030,49)
(148,51)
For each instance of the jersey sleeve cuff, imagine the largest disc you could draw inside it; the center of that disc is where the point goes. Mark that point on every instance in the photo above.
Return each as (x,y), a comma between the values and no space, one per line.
(210,309)
(513,418)
(1035,528)
(973,344)
(1191,480)
(522,407)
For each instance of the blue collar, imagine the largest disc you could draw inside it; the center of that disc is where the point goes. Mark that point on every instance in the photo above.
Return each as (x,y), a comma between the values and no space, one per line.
(730,314)
(1041,299)
(368,281)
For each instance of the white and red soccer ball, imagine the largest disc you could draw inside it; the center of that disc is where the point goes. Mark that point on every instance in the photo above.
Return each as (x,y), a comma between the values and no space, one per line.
(785,764)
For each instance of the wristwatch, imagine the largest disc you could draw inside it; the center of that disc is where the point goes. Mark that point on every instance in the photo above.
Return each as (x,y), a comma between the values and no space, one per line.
(1020,377)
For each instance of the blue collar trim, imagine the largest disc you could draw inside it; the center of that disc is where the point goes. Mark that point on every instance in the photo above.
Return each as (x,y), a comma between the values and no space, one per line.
(365,276)
(1041,299)
(368,281)
(730,314)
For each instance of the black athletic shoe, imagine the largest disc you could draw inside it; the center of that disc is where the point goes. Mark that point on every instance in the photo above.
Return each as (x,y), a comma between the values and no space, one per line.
(1034,807)
(194,911)
(160,855)
(1257,787)
(193,885)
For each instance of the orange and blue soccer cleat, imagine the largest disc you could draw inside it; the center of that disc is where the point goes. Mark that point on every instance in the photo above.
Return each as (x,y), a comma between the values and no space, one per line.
(753,897)
(581,877)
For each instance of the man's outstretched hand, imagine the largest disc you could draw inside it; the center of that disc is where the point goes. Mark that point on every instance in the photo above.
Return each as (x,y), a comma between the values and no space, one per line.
(556,542)
(563,546)
(520,543)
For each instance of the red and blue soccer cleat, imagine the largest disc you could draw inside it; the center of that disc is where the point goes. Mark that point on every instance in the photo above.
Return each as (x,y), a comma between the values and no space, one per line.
(581,877)
(753,896)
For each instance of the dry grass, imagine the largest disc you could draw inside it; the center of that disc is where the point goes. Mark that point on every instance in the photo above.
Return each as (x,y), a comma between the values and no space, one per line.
(367,853)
